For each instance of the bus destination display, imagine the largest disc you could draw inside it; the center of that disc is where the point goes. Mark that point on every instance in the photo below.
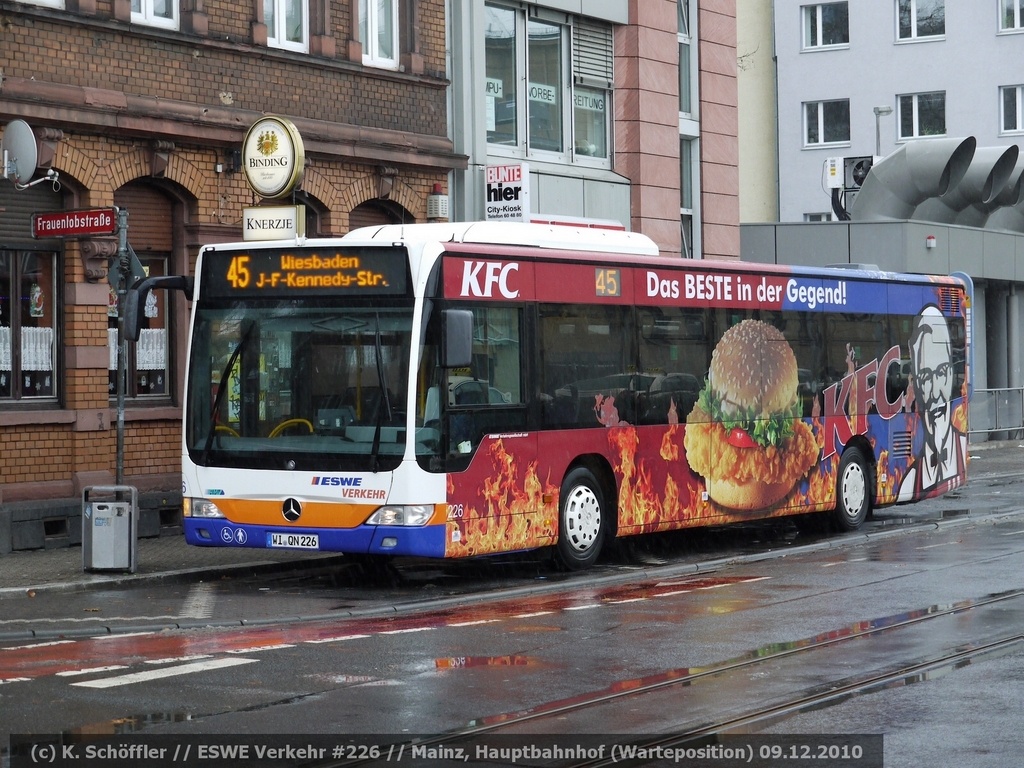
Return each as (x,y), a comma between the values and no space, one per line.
(283,272)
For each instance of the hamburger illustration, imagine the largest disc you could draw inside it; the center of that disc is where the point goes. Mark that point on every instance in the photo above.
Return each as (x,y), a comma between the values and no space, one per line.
(744,435)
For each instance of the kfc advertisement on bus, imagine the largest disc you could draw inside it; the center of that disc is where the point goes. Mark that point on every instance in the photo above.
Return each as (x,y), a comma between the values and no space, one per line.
(787,372)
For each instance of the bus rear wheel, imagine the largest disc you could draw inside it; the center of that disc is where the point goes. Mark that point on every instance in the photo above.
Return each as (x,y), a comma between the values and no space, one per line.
(581,520)
(853,496)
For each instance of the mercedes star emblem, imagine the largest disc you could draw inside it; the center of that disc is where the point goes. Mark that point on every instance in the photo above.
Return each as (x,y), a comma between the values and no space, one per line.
(291,510)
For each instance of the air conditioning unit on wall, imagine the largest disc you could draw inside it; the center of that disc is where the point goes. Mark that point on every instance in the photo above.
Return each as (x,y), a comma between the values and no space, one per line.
(856,170)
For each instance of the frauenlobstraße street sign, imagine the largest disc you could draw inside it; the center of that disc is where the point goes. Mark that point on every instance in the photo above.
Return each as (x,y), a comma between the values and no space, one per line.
(85,222)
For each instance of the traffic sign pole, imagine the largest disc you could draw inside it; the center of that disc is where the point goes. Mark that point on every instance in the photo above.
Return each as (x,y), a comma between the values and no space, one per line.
(123,268)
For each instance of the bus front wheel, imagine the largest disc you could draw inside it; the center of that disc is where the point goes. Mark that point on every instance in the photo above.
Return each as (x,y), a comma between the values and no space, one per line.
(581,519)
(853,495)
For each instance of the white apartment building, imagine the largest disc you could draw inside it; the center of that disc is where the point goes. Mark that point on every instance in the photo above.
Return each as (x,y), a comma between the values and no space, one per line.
(858,79)
(886,79)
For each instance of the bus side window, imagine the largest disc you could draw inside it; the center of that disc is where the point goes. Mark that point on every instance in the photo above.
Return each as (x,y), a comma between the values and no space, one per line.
(585,352)
(674,350)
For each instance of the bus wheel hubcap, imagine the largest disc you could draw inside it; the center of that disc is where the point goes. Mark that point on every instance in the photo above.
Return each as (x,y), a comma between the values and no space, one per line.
(582,519)
(853,489)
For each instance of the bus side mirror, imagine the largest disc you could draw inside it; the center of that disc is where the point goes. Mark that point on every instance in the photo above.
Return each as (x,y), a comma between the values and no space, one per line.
(457,350)
(135,299)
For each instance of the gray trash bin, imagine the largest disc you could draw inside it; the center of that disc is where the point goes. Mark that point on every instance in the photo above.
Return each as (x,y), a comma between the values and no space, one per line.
(110,522)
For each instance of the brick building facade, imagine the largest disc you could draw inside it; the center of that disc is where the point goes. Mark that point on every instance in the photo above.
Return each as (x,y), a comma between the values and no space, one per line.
(144,105)
(148,114)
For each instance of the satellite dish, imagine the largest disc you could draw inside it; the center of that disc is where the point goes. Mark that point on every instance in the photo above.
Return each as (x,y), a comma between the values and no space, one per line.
(20,152)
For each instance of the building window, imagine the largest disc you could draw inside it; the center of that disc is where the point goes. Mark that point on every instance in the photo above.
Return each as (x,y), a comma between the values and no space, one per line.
(47,3)
(155,13)
(545,91)
(685,56)
(28,328)
(920,18)
(590,122)
(593,52)
(287,24)
(561,108)
(826,25)
(687,194)
(689,130)
(502,70)
(147,362)
(922,114)
(826,122)
(1012,104)
(378,32)
(1011,15)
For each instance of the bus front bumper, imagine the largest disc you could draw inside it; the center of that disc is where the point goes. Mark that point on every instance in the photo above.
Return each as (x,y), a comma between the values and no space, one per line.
(422,541)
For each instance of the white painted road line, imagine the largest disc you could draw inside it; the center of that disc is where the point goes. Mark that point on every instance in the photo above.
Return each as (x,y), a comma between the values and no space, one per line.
(335,639)
(473,623)
(406,631)
(178,659)
(36,645)
(155,674)
(90,670)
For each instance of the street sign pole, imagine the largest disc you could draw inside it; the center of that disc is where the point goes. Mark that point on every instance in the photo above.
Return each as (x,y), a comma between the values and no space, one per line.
(123,268)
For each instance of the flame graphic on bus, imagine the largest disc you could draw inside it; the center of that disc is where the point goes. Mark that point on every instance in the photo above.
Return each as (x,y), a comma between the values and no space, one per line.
(509,501)
(656,492)
(519,510)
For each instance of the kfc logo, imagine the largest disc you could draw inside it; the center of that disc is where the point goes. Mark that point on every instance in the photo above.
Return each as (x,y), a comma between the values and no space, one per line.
(481,278)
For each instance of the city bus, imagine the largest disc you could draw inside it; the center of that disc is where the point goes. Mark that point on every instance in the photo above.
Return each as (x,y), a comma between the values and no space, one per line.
(467,389)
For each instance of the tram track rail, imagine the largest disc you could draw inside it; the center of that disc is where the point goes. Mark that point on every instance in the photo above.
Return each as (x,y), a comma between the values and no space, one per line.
(799,701)
(803,703)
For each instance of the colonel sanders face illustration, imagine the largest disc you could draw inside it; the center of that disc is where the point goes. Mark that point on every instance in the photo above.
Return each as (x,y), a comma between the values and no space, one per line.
(939,464)
(932,367)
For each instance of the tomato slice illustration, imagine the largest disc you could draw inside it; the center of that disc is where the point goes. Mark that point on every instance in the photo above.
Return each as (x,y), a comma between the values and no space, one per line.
(740,438)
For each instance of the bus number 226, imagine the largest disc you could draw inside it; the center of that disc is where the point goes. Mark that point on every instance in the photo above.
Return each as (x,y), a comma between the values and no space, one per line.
(454,511)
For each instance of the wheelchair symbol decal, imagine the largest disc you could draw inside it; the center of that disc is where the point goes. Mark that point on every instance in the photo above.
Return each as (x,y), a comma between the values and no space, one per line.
(233,535)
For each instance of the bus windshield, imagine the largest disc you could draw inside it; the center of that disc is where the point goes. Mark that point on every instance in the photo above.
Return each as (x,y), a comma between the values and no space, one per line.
(317,384)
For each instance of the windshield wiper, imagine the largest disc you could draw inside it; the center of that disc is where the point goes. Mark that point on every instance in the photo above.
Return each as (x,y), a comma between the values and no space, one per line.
(383,407)
(211,427)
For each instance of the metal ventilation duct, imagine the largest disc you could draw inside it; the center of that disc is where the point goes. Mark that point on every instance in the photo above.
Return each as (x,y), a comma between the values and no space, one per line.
(970,202)
(1009,214)
(900,182)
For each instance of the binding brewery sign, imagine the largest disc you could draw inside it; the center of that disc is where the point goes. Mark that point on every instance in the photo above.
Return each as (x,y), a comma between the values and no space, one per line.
(273,157)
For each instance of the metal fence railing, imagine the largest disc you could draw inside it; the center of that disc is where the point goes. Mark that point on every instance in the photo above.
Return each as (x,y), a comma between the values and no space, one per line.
(996,414)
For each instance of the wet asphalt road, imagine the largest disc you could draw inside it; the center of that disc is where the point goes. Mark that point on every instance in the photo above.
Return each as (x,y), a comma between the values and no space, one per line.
(424,649)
